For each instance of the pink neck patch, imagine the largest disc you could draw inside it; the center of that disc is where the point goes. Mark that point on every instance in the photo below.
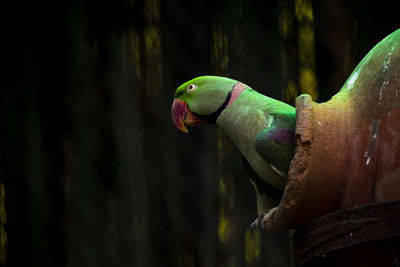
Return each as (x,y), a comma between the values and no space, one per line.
(237,90)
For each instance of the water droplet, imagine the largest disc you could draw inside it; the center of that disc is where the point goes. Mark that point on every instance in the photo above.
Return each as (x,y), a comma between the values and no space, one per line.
(368,159)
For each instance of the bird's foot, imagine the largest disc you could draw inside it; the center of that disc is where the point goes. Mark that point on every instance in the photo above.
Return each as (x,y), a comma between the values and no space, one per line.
(263,219)
(257,222)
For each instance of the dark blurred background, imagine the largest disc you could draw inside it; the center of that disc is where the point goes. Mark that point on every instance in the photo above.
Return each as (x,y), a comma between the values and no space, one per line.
(93,171)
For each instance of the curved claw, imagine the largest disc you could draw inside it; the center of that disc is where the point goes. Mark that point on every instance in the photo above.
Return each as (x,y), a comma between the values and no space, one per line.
(268,218)
(257,222)
(264,219)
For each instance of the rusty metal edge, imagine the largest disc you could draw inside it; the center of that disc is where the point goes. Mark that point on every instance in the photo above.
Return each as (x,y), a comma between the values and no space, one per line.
(284,215)
(347,227)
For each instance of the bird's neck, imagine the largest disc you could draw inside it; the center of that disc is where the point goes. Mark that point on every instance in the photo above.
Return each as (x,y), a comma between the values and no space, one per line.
(245,117)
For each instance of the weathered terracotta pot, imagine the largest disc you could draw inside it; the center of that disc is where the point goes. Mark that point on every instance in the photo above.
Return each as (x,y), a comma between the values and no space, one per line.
(348,149)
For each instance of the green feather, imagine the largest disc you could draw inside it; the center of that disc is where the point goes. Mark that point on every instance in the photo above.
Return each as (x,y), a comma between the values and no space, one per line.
(260,127)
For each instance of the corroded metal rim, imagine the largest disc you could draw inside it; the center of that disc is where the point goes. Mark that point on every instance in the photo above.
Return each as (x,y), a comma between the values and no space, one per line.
(347,227)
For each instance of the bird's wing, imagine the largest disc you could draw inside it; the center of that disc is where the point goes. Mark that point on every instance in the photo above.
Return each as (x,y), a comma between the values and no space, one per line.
(275,144)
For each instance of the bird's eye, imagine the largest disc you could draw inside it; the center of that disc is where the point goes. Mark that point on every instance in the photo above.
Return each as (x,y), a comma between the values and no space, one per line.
(191,88)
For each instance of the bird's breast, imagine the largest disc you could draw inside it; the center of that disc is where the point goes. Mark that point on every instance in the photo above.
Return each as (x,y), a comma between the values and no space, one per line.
(242,124)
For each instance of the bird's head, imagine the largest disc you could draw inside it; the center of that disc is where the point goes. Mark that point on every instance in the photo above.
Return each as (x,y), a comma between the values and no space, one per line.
(202,100)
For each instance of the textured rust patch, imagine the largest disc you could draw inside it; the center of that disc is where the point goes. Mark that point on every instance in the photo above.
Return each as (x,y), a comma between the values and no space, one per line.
(388,159)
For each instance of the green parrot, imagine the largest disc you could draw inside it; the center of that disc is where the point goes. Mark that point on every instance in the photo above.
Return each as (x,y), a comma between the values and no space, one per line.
(261,128)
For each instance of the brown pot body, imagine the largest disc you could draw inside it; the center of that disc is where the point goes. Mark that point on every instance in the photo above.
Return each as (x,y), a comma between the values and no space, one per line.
(347,149)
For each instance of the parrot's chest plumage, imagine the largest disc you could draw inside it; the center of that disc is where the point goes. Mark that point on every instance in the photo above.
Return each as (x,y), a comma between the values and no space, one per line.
(242,121)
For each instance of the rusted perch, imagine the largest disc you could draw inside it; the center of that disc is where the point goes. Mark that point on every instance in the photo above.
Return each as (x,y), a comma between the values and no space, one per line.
(366,235)
(348,149)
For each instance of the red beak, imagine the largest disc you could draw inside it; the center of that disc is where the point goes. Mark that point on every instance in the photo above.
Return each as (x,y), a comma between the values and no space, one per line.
(182,116)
